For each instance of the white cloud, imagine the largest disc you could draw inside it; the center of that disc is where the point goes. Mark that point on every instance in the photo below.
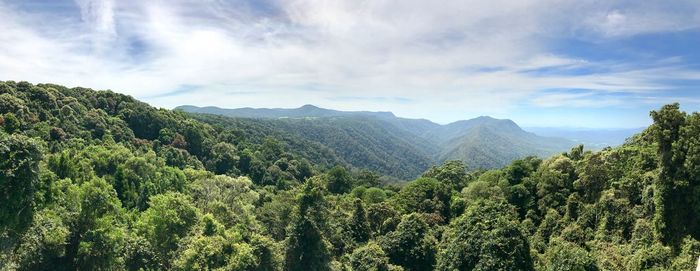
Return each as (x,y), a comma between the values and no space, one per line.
(642,17)
(99,15)
(452,57)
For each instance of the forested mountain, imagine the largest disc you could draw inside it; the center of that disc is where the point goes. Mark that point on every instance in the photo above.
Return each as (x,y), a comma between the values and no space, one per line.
(495,143)
(95,180)
(359,141)
(395,146)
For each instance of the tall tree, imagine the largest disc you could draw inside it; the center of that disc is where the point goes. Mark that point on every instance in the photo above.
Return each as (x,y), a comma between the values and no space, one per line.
(668,218)
(306,248)
(359,226)
(19,177)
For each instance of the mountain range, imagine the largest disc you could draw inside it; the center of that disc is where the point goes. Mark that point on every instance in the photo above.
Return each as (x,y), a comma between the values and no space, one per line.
(392,145)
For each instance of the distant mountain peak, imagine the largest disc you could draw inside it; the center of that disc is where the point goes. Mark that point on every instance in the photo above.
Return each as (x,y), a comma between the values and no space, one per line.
(309,106)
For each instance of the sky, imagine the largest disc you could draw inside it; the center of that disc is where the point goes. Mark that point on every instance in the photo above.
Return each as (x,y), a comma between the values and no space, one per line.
(546,63)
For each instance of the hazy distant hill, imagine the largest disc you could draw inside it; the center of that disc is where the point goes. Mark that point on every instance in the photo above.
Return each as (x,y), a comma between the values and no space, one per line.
(304,111)
(591,138)
(396,146)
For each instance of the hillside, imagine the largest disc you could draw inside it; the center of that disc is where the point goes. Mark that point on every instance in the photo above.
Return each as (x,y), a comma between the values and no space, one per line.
(398,146)
(355,140)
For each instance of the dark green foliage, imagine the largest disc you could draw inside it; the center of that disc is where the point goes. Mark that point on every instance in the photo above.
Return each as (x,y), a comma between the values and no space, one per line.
(306,247)
(485,237)
(266,254)
(451,173)
(379,214)
(19,180)
(99,235)
(359,226)
(518,170)
(424,195)
(11,123)
(566,256)
(168,219)
(688,256)
(555,182)
(666,130)
(592,177)
(370,257)
(678,184)
(339,180)
(43,242)
(223,159)
(411,245)
(367,178)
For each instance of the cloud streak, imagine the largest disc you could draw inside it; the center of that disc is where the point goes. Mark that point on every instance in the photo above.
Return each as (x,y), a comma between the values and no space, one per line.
(450,59)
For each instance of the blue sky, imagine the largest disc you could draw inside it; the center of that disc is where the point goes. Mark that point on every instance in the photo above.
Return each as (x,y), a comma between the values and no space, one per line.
(587,63)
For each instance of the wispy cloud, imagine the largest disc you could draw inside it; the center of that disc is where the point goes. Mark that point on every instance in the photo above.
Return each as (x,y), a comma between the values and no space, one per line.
(449,59)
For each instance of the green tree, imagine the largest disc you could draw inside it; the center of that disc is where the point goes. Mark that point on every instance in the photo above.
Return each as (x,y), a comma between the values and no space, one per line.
(453,173)
(688,149)
(223,159)
(374,195)
(555,178)
(486,237)
(368,178)
(369,257)
(11,123)
(19,179)
(379,213)
(688,256)
(42,244)
(565,256)
(99,228)
(266,253)
(518,170)
(359,226)
(230,200)
(167,220)
(592,177)
(306,248)
(411,245)
(670,213)
(339,180)
(424,195)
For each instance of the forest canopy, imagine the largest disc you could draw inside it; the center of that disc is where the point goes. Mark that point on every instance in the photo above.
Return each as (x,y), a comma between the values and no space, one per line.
(96,180)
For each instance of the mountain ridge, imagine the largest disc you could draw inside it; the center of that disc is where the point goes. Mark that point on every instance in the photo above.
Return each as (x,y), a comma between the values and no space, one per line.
(307,110)
(389,141)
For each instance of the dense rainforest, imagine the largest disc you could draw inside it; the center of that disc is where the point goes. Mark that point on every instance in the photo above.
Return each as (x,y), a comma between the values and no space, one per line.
(95,180)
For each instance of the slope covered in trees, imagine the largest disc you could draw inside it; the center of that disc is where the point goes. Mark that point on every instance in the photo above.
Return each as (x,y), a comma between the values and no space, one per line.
(396,146)
(359,141)
(94,180)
